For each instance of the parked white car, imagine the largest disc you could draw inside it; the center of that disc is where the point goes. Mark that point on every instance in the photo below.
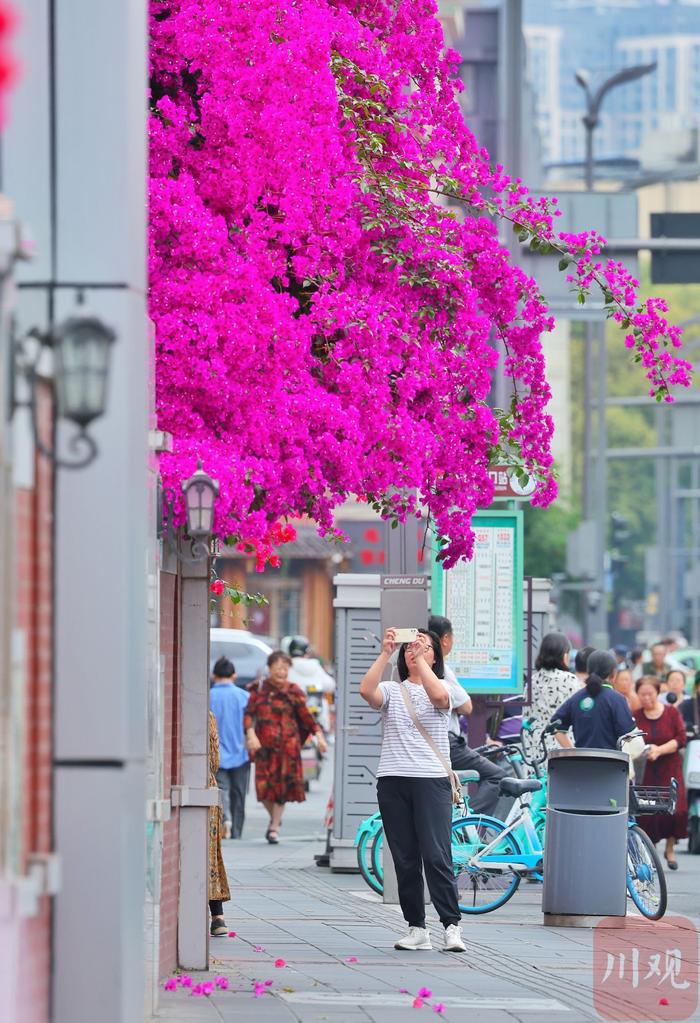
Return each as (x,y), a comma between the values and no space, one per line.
(248,652)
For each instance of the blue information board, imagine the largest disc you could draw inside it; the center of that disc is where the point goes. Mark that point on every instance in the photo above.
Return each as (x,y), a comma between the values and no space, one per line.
(483,598)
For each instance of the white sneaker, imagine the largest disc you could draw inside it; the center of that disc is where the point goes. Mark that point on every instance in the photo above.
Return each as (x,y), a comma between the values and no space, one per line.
(453,939)
(417,938)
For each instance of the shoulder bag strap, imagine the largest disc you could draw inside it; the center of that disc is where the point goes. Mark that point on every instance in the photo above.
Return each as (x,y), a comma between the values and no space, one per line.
(457,796)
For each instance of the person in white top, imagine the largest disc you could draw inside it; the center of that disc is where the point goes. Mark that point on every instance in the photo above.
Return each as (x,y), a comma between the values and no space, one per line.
(413,790)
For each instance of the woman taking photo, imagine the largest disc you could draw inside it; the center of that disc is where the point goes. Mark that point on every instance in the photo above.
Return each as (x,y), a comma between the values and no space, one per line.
(414,791)
(277,723)
(552,683)
(597,714)
(664,731)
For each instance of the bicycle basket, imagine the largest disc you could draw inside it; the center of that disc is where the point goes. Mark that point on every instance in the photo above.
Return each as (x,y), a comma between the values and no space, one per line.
(646,799)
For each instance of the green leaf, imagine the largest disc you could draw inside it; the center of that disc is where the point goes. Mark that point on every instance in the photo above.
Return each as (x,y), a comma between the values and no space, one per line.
(564,263)
(581,298)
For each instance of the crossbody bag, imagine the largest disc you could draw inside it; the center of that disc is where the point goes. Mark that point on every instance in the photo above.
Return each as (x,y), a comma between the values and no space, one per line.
(457,794)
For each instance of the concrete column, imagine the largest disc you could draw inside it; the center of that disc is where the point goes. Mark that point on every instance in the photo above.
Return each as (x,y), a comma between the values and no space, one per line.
(194,795)
(75,164)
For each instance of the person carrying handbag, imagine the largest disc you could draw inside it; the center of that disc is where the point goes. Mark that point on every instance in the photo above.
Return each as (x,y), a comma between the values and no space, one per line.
(415,784)
(277,723)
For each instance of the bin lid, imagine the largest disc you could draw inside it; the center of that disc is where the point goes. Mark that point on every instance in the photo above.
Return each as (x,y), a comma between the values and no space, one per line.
(589,754)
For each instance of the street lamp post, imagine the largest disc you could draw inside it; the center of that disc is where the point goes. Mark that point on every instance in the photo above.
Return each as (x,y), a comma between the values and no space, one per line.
(594,101)
(595,609)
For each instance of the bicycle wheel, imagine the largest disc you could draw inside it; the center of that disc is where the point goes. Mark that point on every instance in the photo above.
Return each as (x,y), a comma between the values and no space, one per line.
(364,861)
(646,881)
(485,888)
(376,858)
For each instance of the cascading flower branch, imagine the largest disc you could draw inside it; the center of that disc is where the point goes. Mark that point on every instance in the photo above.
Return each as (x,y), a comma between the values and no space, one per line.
(327,278)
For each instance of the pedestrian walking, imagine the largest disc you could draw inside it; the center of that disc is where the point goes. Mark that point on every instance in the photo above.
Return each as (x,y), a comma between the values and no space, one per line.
(690,708)
(228,702)
(664,731)
(635,662)
(657,665)
(552,684)
(674,683)
(462,757)
(621,654)
(597,715)
(623,683)
(581,663)
(414,788)
(218,881)
(277,724)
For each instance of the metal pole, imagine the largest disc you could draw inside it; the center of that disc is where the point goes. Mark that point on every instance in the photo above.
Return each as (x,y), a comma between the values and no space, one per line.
(661,523)
(587,410)
(600,633)
(589,125)
(694,539)
(587,495)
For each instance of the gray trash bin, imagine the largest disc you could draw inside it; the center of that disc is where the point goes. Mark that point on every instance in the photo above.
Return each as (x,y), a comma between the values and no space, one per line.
(585,855)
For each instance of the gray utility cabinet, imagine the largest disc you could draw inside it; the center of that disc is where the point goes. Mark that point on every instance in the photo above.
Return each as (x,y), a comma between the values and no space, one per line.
(585,856)
(358,727)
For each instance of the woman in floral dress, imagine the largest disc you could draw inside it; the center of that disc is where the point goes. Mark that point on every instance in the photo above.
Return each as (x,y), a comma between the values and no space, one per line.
(277,724)
(552,685)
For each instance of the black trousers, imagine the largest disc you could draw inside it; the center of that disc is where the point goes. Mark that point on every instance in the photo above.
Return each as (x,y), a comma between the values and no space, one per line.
(465,759)
(233,782)
(417,817)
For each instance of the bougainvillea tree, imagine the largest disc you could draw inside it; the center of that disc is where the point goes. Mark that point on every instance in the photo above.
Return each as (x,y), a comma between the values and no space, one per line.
(327,273)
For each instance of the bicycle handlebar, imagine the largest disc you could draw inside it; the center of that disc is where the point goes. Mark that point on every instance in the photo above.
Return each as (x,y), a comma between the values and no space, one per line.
(550,729)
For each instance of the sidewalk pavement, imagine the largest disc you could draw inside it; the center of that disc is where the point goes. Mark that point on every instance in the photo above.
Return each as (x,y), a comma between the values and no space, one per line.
(336,939)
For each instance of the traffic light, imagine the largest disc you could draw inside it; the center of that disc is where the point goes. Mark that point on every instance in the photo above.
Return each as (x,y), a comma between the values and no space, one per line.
(620,529)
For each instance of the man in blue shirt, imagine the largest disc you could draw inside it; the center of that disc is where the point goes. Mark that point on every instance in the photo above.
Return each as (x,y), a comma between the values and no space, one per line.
(228,703)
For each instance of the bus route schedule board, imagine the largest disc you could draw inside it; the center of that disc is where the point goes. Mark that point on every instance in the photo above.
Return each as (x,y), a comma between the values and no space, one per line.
(483,598)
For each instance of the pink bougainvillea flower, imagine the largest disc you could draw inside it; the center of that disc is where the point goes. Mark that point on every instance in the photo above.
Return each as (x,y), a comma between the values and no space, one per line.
(351,959)
(197,990)
(258,989)
(425,992)
(207,987)
(170,984)
(438,1007)
(404,991)
(186,980)
(222,982)
(663,1001)
(279,963)
(218,587)
(258,948)
(232,934)
(269,983)
(289,296)
(417,1003)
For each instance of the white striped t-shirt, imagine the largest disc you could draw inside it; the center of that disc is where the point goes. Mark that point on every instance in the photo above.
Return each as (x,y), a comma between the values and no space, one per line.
(404,750)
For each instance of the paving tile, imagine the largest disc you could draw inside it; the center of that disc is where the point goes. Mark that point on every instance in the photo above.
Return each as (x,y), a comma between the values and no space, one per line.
(315,920)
